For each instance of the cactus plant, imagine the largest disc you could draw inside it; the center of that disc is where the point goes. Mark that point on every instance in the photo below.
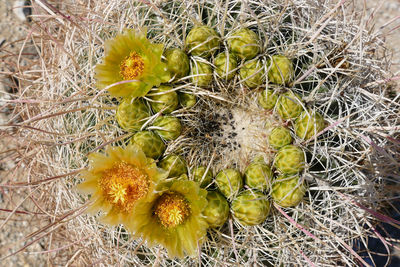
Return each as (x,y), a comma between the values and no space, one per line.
(187,100)
(229,182)
(244,43)
(258,175)
(201,74)
(252,73)
(288,191)
(217,209)
(225,64)
(163,99)
(202,41)
(201,176)
(150,143)
(309,124)
(175,165)
(132,114)
(177,63)
(250,208)
(280,70)
(289,160)
(168,127)
(289,105)
(279,137)
(267,99)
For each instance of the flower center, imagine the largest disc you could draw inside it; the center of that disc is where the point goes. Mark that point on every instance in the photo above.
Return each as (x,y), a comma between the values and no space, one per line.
(132,66)
(172,209)
(123,185)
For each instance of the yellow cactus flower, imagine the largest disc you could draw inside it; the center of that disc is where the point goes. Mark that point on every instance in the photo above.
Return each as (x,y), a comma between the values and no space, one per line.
(131,57)
(118,180)
(172,218)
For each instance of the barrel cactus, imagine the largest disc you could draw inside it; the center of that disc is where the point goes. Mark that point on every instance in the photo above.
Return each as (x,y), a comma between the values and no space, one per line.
(290,159)
(201,74)
(279,137)
(289,105)
(163,99)
(258,175)
(244,43)
(202,41)
(168,127)
(150,143)
(288,191)
(177,63)
(132,114)
(280,70)
(309,124)
(229,182)
(267,99)
(225,65)
(252,73)
(217,209)
(250,208)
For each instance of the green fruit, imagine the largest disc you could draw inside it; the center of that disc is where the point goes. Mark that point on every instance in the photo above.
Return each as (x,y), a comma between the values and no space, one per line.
(168,127)
(289,105)
(177,63)
(244,43)
(252,74)
(202,41)
(217,209)
(258,176)
(309,124)
(187,100)
(267,99)
(174,164)
(280,70)
(250,208)
(201,74)
(162,100)
(229,182)
(279,137)
(150,143)
(200,176)
(287,191)
(290,160)
(131,115)
(224,65)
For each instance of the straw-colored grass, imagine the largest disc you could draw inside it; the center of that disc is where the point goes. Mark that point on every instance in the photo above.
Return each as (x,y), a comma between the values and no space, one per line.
(60,116)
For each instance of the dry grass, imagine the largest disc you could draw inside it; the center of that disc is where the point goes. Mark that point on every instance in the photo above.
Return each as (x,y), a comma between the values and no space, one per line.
(60,117)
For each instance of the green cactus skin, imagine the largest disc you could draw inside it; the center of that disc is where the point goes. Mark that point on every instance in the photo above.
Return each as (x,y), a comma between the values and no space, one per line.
(132,116)
(289,105)
(252,73)
(267,99)
(279,137)
(177,63)
(250,208)
(168,127)
(174,164)
(258,176)
(244,43)
(309,124)
(217,209)
(187,100)
(165,102)
(201,74)
(280,70)
(289,160)
(198,174)
(151,144)
(229,182)
(224,65)
(202,41)
(287,191)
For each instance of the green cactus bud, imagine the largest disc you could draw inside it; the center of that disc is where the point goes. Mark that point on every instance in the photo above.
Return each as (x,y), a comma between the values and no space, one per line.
(280,70)
(290,160)
(267,99)
(279,137)
(200,176)
(217,209)
(252,73)
(187,100)
(162,100)
(131,115)
(150,143)
(258,176)
(309,124)
(168,127)
(244,43)
(177,63)
(289,105)
(174,164)
(250,208)
(201,74)
(229,182)
(287,191)
(202,41)
(224,65)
